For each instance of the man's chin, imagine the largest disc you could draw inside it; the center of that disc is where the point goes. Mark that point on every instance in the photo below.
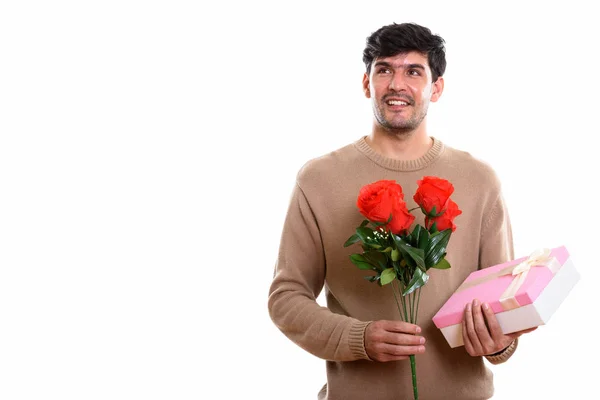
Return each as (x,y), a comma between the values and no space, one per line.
(400,126)
(399,130)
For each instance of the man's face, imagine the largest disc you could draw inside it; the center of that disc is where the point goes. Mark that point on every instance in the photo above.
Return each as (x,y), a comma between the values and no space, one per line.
(401,89)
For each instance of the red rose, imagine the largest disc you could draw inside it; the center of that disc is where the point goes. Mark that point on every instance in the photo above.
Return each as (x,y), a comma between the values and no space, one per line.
(401,219)
(382,199)
(446,220)
(433,192)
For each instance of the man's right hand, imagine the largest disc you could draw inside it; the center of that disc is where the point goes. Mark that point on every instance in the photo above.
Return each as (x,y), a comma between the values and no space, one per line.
(392,340)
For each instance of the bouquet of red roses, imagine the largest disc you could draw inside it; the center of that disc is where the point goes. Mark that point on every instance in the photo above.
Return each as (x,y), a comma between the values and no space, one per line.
(398,257)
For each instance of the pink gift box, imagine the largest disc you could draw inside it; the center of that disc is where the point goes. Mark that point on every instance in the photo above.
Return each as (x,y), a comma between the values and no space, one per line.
(523,293)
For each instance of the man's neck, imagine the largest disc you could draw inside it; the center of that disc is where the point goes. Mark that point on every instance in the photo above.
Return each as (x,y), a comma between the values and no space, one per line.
(400,146)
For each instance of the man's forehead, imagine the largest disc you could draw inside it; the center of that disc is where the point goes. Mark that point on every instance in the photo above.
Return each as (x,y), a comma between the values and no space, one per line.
(412,57)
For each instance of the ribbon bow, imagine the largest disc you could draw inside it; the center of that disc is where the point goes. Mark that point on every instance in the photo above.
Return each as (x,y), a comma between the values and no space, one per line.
(539,258)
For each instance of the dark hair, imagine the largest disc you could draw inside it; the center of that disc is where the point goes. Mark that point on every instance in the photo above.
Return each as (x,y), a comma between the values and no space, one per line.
(394,39)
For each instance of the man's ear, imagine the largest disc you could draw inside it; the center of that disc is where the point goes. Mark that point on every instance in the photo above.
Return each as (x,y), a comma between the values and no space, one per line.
(365,84)
(437,89)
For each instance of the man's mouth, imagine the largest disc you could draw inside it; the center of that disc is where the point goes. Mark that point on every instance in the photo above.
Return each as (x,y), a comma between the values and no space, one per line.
(396,103)
(396,100)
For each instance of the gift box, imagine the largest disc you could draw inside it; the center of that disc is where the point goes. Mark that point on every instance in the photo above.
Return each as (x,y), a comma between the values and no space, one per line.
(523,293)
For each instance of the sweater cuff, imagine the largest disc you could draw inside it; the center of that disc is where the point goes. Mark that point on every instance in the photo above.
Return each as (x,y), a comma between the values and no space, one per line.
(499,358)
(356,340)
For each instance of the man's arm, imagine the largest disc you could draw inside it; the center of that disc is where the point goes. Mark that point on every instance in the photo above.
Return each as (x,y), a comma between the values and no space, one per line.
(299,278)
(481,332)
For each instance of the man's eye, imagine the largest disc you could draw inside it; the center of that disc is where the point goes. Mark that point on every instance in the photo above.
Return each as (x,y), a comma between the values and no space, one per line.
(383,71)
(414,72)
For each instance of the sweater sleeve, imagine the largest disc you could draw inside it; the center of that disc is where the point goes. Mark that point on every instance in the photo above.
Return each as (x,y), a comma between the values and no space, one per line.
(504,354)
(497,247)
(496,244)
(298,279)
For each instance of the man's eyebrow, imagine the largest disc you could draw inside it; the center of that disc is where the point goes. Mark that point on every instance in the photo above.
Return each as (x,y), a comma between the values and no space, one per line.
(406,66)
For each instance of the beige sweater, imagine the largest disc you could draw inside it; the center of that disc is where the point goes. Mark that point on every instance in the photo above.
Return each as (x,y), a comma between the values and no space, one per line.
(322,214)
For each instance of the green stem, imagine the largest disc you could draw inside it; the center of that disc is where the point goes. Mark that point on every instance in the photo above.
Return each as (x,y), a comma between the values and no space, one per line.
(418,301)
(413,316)
(405,309)
(413,319)
(397,302)
(413,368)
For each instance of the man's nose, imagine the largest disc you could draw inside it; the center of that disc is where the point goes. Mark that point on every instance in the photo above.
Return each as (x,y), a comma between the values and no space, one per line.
(397,83)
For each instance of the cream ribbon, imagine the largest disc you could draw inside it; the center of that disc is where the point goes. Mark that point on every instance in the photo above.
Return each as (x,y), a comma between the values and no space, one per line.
(539,258)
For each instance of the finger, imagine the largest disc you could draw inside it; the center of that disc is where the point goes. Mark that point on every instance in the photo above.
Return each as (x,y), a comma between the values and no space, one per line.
(492,323)
(468,345)
(394,332)
(401,327)
(377,339)
(481,328)
(402,339)
(471,329)
(401,351)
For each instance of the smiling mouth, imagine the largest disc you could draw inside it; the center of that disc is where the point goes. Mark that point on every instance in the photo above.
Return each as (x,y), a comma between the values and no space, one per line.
(396,103)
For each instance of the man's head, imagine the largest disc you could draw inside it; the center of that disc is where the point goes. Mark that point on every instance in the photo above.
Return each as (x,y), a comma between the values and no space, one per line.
(394,39)
(405,64)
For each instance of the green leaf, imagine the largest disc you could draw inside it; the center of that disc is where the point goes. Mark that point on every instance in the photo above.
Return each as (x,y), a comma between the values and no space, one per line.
(437,247)
(417,255)
(420,237)
(351,240)
(419,279)
(388,276)
(433,228)
(365,234)
(357,258)
(442,264)
(377,258)
(361,262)
(364,266)
(409,263)
(395,255)
(364,223)
(372,278)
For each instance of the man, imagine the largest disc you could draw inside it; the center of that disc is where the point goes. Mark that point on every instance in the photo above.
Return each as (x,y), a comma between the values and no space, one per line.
(359,333)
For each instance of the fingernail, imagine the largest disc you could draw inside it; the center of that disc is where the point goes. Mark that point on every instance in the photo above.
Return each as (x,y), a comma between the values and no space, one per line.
(418,329)
(469,307)
(485,306)
(422,340)
(476,302)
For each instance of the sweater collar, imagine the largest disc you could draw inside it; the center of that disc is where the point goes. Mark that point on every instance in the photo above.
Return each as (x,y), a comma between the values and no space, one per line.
(401,165)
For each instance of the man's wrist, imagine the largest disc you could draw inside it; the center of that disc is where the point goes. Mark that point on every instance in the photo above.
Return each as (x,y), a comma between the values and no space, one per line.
(504,354)
(501,351)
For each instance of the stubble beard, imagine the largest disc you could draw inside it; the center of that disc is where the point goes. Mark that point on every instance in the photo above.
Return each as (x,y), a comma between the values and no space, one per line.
(403,127)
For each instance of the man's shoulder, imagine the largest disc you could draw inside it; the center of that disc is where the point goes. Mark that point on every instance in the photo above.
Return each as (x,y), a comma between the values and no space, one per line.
(473,167)
(328,165)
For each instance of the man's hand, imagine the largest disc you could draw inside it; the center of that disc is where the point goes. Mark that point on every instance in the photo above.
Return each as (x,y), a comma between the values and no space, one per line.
(484,336)
(392,340)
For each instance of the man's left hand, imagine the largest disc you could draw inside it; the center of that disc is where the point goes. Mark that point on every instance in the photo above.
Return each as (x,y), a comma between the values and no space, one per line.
(482,333)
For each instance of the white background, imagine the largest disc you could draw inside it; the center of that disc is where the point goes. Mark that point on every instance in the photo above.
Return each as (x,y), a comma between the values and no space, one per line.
(148,151)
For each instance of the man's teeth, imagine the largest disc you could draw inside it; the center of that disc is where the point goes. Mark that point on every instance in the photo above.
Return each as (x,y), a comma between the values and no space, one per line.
(397,103)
